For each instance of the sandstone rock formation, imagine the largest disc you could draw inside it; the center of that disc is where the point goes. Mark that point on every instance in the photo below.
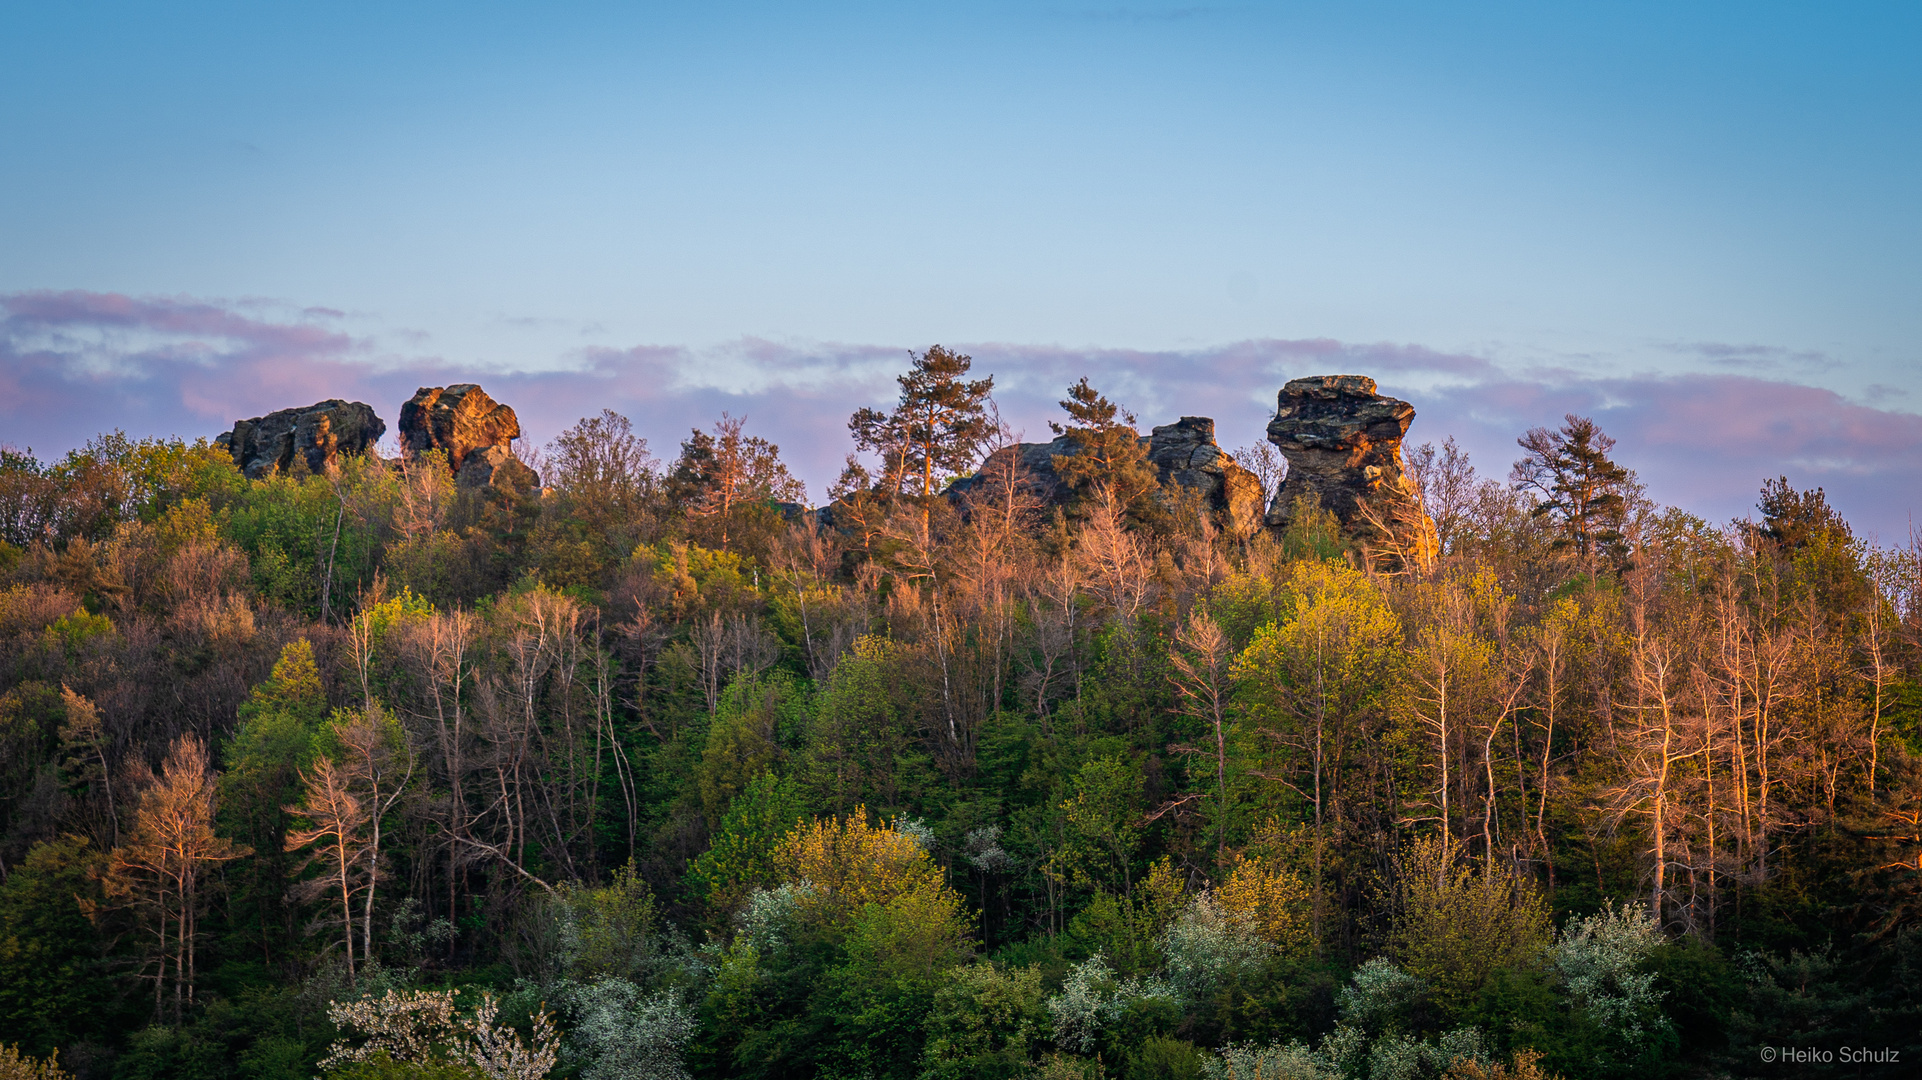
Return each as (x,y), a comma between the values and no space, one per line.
(1036,473)
(1183,453)
(316,435)
(472,429)
(1343,445)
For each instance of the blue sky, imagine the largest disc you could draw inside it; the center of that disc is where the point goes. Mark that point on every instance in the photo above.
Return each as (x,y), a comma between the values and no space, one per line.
(207,211)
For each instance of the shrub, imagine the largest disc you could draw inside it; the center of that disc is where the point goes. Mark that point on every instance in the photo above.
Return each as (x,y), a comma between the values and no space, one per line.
(421,1027)
(15,1065)
(1599,959)
(1206,944)
(1524,1066)
(1162,1058)
(1271,899)
(1457,924)
(621,1034)
(384,1067)
(985,1022)
(1091,998)
(1379,995)
(849,863)
(1274,1062)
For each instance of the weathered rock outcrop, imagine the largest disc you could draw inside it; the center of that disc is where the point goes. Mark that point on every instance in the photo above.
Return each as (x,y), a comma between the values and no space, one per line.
(1343,445)
(472,429)
(1035,471)
(316,435)
(1185,453)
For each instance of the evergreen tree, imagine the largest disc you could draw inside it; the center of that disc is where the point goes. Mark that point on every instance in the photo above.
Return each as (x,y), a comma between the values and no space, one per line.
(1578,487)
(937,428)
(1109,462)
(1793,520)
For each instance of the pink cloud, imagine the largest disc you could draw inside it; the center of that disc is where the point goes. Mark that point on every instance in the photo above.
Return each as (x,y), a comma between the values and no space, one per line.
(73,364)
(1706,442)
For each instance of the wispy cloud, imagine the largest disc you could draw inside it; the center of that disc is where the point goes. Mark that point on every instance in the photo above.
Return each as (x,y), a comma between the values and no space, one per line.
(73,364)
(1753,357)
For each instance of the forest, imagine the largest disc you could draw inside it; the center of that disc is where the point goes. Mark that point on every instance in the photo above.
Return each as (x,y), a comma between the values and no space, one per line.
(649,773)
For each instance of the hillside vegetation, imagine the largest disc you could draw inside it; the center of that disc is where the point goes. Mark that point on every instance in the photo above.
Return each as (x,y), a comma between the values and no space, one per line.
(644,775)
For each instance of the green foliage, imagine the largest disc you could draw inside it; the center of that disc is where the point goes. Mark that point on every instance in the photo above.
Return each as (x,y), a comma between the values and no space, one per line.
(1095,1007)
(70,634)
(619,1033)
(1163,1058)
(55,989)
(741,857)
(620,705)
(856,943)
(861,747)
(743,741)
(315,542)
(284,526)
(269,1033)
(911,938)
(1313,534)
(1578,487)
(1699,990)
(1458,924)
(166,1053)
(1275,1061)
(1108,462)
(1207,946)
(30,717)
(281,729)
(1101,818)
(696,576)
(987,1022)
(1802,999)
(936,429)
(1600,961)
(613,930)
(1243,604)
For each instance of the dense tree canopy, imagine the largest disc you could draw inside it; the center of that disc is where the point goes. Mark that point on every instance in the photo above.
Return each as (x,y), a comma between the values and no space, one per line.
(653,774)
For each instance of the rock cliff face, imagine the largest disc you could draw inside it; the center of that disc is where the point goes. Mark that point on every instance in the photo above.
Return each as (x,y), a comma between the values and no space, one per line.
(316,435)
(472,429)
(1343,445)
(1185,453)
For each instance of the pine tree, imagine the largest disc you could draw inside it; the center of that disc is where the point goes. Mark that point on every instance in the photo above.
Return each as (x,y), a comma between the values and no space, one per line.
(1579,487)
(937,428)
(1109,462)
(1794,520)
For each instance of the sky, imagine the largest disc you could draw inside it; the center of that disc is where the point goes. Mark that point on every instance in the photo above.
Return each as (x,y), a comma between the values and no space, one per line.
(1696,223)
